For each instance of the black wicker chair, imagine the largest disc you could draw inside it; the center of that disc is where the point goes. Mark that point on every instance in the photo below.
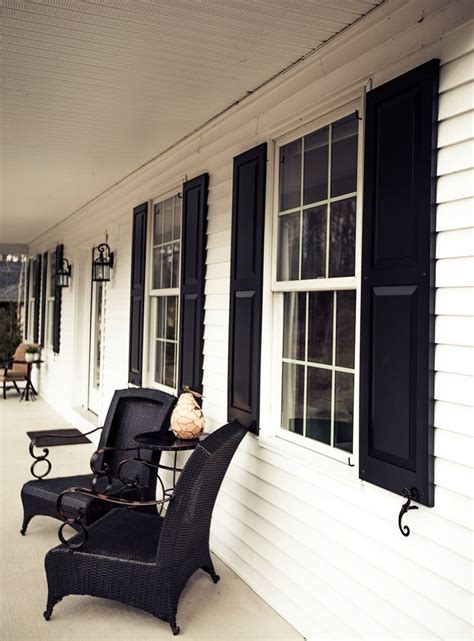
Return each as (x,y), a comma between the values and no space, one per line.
(143,559)
(131,411)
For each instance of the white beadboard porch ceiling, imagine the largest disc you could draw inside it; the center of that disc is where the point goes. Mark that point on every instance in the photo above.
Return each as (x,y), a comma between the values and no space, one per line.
(93,89)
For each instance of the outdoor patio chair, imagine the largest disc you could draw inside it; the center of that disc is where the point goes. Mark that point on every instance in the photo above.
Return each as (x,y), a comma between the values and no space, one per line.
(143,559)
(131,412)
(15,370)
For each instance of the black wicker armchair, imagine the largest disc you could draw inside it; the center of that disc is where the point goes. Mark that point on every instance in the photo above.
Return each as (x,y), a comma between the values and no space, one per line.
(144,559)
(131,411)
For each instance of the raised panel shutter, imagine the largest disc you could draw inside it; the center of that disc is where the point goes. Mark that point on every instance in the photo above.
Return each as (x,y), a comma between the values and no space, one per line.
(27,300)
(397,318)
(37,290)
(44,295)
(137,294)
(245,319)
(57,302)
(191,302)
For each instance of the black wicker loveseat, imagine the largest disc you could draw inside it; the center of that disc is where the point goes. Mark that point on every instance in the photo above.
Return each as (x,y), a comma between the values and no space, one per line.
(145,559)
(131,411)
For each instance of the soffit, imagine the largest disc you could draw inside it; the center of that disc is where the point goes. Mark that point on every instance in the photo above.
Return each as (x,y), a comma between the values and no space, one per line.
(92,90)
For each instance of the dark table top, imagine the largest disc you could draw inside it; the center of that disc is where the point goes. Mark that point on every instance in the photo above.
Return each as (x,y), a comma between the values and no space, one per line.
(166,441)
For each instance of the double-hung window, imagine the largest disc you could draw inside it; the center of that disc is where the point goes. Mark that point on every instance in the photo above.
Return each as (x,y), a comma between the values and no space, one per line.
(164,292)
(31,299)
(51,289)
(315,282)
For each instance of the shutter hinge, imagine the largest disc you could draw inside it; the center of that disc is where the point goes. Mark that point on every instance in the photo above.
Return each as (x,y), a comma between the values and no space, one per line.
(409,495)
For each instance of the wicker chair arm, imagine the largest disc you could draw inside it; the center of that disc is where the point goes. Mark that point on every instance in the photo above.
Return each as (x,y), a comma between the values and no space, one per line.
(44,456)
(75,520)
(96,456)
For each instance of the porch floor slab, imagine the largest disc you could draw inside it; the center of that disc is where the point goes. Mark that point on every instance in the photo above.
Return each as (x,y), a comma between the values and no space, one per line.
(230,610)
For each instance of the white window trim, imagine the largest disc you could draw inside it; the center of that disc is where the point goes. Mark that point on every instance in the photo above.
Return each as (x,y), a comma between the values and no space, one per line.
(169,190)
(272,435)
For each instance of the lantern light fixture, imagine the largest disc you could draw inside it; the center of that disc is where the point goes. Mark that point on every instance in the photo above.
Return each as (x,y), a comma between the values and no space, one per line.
(102,263)
(63,274)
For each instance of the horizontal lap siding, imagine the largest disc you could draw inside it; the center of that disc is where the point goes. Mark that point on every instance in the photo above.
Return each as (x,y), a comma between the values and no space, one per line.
(320,546)
(344,545)
(454,335)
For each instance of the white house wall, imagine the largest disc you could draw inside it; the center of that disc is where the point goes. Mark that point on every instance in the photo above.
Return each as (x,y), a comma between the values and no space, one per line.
(319,545)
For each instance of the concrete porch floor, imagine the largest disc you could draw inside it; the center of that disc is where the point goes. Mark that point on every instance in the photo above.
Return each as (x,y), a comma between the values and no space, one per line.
(230,610)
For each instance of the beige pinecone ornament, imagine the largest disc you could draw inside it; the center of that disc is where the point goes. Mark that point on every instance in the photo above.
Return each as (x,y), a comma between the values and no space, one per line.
(187,420)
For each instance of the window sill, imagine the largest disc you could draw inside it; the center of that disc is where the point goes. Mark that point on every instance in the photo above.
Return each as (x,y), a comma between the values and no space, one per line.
(311,459)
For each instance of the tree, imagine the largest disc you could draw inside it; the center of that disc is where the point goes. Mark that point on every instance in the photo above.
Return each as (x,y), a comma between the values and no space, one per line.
(10,333)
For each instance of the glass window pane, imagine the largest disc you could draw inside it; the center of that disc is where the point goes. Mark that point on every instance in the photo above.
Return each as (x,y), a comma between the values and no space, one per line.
(159,362)
(315,186)
(289,247)
(160,317)
(171,317)
(320,327)
(344,411)
(313,263)
(158,215)
(294,323)
(168,220)
(166,265)
(344,156)
(177,218)
(170,349)
(318,407)
(157,252)
(290,175)
(342,238)
(292,398)
(345,328)
(175,265)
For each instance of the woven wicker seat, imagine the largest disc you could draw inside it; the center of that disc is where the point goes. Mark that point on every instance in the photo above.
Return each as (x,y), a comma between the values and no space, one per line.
(145,560)
(132,411)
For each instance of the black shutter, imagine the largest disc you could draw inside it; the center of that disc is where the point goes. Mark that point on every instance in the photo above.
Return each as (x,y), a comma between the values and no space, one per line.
(191,307)
(245,320)
(44,295)
(27,300)
(37,291)
(57,301)
(397,320)
(137,294)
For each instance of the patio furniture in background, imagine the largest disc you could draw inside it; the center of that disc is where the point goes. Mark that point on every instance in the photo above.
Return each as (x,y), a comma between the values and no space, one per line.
(144,559)
(131,411)
(29,392)
(15,370)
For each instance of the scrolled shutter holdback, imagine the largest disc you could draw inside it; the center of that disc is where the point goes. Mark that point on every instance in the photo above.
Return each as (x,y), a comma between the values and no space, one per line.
(187,420)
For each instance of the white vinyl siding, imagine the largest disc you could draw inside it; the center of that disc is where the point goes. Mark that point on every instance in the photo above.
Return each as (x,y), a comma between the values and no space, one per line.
(315,542)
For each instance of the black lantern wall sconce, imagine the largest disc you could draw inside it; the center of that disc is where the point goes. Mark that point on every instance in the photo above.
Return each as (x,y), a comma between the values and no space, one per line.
(102,263)
(63,273)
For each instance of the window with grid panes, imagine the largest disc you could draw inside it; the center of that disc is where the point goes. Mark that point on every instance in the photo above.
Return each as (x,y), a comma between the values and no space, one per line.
(165,290)
(50,297)
(31,301)
(317,202)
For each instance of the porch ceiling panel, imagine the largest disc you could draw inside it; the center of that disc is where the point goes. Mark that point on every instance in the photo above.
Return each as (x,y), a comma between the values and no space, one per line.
(93,89)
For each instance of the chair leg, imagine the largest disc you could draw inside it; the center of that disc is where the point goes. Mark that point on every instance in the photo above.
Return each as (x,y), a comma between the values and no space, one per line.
(5,390)
(209,568)
(16,387)
(175,629)
(50,605)
(26,519)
